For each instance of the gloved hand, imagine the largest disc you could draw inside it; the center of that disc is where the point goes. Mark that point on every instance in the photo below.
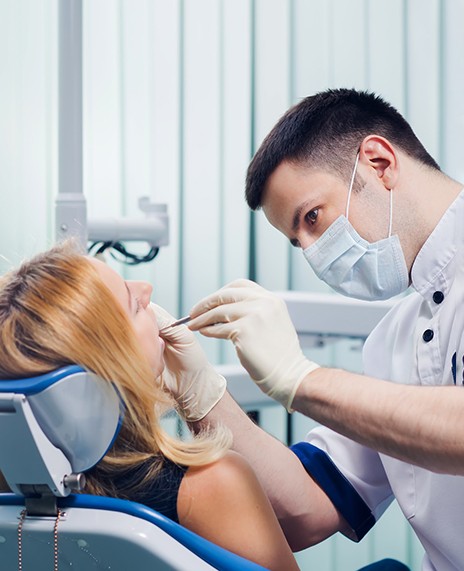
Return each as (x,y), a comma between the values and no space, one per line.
(188,375)
(260,327)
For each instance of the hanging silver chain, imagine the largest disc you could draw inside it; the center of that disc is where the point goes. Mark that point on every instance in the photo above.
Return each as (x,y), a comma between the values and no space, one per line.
(20,540)
(55,540)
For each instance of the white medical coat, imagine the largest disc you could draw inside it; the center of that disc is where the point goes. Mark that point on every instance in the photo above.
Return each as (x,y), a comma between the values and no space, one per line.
(419,342)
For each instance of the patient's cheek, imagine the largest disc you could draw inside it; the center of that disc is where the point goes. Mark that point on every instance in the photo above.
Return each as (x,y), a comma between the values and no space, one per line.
(155,354)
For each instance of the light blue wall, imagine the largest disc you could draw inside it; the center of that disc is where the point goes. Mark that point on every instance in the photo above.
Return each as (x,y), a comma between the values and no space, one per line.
(177,96)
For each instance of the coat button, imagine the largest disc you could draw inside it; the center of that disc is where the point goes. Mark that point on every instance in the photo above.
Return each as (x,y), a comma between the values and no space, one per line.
(438,296)
(427,335)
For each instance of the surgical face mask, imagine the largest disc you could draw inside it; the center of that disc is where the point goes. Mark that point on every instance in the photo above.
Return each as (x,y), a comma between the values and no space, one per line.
(353,266)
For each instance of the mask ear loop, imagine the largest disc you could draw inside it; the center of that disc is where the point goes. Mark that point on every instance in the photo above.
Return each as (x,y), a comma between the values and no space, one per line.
(391,213)
(351,185)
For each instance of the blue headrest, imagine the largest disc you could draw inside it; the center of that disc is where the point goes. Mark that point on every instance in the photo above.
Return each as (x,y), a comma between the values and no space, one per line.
(79,412)
(33,385)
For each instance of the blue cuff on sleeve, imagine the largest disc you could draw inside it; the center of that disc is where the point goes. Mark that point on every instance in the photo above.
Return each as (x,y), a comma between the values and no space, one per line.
(339,490)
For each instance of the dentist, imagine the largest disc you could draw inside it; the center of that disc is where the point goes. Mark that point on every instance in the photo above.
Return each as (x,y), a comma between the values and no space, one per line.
(344,177)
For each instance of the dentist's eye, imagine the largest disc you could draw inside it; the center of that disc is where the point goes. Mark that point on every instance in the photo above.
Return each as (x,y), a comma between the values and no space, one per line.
(311,216)
(138,306)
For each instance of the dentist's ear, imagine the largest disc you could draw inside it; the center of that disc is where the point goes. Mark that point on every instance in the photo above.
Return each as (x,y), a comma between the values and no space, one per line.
(379,155)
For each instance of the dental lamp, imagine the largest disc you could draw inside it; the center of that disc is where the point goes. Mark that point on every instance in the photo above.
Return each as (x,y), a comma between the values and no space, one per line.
(70,206)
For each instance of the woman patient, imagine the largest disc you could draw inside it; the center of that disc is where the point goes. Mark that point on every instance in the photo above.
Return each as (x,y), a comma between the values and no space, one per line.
(64,308)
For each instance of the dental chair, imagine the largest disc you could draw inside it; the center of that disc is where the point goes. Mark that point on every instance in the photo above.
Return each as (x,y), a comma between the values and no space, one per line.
(53,428)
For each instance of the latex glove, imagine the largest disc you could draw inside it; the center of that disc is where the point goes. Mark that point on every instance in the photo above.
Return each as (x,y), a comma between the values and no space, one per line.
(188,375)
(258,323)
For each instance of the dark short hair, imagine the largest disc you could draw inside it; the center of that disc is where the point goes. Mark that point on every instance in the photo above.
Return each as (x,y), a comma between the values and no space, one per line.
(325,130)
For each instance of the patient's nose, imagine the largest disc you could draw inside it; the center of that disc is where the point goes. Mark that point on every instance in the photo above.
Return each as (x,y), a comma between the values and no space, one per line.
(143,291)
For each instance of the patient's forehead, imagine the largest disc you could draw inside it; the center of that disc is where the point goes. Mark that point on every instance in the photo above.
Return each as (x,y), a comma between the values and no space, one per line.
(104,270)
(113,281)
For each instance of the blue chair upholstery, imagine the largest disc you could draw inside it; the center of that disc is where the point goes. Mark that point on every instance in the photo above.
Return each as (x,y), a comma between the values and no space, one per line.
(93,532)
(386,565)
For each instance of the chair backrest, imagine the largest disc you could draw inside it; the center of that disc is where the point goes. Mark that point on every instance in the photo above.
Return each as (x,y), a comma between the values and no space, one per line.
(63,423)
(53,428)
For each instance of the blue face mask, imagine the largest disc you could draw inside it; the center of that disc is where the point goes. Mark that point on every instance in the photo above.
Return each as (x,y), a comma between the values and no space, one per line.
(353,266)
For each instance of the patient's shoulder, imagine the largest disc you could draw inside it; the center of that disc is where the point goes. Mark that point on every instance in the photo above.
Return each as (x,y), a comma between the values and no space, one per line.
(215,486)
(225,503)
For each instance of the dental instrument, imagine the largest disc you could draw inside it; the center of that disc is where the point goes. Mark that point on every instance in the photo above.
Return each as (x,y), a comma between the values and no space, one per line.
(180,321)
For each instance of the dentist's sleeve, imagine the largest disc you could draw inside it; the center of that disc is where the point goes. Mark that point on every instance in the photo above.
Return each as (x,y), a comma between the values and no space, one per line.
(351,475)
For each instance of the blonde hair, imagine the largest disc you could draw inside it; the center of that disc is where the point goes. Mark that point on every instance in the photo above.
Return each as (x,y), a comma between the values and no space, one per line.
(55,310)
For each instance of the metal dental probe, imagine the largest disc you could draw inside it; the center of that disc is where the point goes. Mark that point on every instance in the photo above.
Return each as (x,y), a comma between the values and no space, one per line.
(180,321)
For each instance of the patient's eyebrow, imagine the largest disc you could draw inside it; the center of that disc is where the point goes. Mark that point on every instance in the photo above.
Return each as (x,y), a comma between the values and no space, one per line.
(129,297)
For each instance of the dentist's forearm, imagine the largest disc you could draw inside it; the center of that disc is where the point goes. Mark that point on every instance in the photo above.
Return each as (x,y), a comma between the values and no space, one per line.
(420,425)
(305,513)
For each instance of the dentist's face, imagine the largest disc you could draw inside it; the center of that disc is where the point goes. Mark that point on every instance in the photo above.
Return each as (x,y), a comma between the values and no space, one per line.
(302,203)
(134,297)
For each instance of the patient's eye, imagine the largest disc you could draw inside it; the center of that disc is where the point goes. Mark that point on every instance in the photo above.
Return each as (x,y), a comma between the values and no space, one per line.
(311,216)
(138,306)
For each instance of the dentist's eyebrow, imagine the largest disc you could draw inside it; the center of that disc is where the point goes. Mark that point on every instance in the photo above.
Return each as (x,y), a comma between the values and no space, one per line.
(297,215)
